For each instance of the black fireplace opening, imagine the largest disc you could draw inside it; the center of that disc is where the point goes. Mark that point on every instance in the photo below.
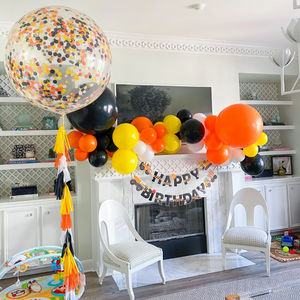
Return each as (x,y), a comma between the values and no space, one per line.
(179,230)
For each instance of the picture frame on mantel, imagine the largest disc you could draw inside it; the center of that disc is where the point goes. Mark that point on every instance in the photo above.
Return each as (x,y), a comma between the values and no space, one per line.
(157,101)
(282,161)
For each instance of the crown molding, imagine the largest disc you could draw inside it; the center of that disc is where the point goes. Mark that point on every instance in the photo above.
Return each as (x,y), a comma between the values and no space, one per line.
(167,43)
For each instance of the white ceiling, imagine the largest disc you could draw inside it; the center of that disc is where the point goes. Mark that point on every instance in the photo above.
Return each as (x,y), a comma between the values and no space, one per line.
(247,22)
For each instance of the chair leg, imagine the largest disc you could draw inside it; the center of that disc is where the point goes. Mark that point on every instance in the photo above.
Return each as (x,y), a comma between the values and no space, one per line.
(103,274)
(128,275)
(223,256)
(161,271)
(267,253)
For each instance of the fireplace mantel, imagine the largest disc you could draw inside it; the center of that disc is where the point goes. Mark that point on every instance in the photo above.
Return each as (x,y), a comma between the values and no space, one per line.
(108,184)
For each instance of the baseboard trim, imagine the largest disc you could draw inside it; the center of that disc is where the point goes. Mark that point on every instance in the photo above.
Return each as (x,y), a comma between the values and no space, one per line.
(87,265)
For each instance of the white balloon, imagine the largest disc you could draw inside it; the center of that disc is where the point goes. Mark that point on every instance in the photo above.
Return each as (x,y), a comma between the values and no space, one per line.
(200,117)
(147,155)
(237,155)
(139,148)
(196,147)
(227,162)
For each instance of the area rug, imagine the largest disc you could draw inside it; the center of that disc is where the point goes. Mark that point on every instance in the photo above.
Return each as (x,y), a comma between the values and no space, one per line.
(278,254)
(279,286)
(50,290)
(183,267)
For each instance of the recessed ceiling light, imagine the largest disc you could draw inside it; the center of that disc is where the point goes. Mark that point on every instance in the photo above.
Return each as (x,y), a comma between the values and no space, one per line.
(197,6)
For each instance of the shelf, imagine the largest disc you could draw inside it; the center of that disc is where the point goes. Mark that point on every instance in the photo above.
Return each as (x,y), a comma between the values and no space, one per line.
(32,166)
(30,132)
(267,102)
(42,198)
(279,127)
(12,100)
(274,153)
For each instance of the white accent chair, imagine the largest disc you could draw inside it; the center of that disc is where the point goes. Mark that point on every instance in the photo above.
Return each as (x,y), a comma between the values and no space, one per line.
(247,237)
(125,257)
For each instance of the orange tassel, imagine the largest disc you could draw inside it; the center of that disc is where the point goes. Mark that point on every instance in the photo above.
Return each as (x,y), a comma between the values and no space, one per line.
(58,157)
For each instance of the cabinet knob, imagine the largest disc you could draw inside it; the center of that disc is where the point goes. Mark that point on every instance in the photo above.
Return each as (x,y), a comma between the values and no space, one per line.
(292,187)
(270,190)
(47,213)
(28,215)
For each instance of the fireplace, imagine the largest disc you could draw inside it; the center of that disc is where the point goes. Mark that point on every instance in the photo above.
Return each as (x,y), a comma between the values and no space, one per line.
(178,229)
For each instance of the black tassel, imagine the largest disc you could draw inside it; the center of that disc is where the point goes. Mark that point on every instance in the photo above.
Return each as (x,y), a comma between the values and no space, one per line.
(59,185)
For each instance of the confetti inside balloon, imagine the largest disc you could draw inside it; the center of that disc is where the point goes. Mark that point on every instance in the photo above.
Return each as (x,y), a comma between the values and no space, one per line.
(58,58)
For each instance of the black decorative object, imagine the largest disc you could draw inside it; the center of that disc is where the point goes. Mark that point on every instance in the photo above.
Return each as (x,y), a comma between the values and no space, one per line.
(24,190)
(253,165)
(19,151)
(97,116)
(98,158)
(184,115)
(192,131)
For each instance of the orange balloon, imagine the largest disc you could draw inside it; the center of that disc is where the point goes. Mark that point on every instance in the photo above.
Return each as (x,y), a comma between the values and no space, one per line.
(239,125)
(218,157)
(80,155)
(160,130)
(74,137)
(148,136)
(158,145)
(88,143)
(141,123)
(110,153)
(210,122)
(212,141)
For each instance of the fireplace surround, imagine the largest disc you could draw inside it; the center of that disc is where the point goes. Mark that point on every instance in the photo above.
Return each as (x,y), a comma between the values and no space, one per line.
(108,184)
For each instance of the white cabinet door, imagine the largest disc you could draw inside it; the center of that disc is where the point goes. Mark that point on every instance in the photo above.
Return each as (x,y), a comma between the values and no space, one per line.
(21,230)
(294,204)
(276,197)
(51,225)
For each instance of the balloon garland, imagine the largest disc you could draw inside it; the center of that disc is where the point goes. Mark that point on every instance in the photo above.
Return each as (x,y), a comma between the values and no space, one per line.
(174,180)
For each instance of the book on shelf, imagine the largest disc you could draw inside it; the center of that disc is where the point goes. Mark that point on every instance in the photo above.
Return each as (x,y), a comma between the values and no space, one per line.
(281,149)
(22,159)
(50,159)
(11,162)
(24,196)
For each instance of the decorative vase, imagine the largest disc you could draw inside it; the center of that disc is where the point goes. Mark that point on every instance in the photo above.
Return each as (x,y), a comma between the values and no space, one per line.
(281,171)
(277,118)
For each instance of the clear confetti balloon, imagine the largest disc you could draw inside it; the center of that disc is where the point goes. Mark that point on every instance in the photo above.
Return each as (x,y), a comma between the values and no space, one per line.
(58,59)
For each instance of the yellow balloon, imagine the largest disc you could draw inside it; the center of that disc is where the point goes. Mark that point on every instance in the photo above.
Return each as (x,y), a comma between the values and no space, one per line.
(172,142)
(172,124)
(262,139)
(161,123)
(167,117)
(124,161)
(165,151)
(251,151)
(125,136)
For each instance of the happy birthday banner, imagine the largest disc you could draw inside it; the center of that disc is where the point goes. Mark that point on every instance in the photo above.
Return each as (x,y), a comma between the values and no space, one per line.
(174,180)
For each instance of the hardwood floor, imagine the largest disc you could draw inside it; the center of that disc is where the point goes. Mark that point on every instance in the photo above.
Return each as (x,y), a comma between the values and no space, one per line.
(110,291)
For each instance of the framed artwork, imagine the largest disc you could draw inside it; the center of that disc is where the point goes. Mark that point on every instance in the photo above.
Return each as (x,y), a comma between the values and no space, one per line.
(49,123)
(282,161)
(157,101)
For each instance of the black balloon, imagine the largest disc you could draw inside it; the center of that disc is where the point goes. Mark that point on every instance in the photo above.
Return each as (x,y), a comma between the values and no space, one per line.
(253,165)
(98,116)
(184,115)
(102,141)
(192,131)
(98,158)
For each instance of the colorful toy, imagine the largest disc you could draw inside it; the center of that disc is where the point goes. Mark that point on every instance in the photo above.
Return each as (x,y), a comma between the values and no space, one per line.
(285,249)
(287,241)
(20,262)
